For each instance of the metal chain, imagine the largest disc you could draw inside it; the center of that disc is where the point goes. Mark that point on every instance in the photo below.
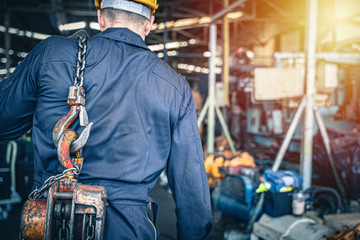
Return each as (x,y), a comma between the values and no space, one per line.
(38,192)
(80,65)
(90,230)
(79,80)
(64,231)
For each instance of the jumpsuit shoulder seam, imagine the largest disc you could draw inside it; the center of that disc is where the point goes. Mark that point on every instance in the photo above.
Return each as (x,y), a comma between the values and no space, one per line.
(166,80)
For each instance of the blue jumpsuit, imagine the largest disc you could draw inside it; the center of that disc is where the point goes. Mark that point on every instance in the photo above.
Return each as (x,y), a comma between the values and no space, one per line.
(144,120)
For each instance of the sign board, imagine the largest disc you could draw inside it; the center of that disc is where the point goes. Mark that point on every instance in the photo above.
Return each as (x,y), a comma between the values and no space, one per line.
(278,83)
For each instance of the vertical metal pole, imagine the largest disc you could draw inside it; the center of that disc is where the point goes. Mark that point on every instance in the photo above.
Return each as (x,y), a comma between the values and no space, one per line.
(225,129)
(307,140)
(7,43)
(326,140)
(289,135)
(211,82)
(165,41)
(226,55)
(203,112)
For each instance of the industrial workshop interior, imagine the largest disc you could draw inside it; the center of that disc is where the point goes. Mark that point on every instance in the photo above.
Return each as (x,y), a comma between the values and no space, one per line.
(276,88)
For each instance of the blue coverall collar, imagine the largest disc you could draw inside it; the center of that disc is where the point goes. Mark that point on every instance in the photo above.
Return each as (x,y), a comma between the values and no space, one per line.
(124,35)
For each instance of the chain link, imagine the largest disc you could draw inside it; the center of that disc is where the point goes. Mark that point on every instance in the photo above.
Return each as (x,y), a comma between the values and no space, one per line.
(80,65)
(38,192)
(90,230)
(64,231)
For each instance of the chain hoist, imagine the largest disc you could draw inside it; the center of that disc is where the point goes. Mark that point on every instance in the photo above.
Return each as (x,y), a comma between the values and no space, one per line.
(63,208)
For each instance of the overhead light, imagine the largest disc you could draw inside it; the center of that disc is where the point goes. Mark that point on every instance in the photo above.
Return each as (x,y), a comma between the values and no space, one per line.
(21,54)
(172,53)
(170,24)
(40,36)
(205,70)
(205,20)
(207,54)
(154,27)
(186,22)
(4,71)
(156,47)
(219,61)
(21,33)
(193,41)
(234,15)
(161,26)
(28,34)
(72,26)
(12,30)
(94,25)
(172,45)
(192,68)
(250,54)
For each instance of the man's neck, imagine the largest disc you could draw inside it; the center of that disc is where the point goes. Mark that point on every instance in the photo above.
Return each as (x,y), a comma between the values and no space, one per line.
(116,24)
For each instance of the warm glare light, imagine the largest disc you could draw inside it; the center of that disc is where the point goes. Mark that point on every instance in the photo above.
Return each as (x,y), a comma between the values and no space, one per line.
(207,54)
(170,24)
(185,22)
(172,45)
(161,26)
(205,20)
(234,15)
(154,27)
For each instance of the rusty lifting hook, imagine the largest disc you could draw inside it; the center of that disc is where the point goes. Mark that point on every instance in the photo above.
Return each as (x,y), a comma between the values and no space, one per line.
(67,140)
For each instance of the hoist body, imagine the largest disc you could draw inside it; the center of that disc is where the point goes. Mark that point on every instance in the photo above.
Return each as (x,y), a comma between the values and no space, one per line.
(70,211)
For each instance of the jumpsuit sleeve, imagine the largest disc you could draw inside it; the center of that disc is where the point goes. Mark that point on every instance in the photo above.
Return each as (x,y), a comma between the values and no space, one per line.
(18,95)
(187,177)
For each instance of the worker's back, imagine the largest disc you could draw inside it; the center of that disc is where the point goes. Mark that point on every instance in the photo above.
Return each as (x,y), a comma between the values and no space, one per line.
(132,98)
(144,120)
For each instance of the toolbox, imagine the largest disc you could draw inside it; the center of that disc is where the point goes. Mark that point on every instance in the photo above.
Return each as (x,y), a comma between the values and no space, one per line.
(278,203)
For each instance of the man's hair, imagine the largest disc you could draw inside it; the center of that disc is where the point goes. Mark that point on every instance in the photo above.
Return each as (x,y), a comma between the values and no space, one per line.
(115,14)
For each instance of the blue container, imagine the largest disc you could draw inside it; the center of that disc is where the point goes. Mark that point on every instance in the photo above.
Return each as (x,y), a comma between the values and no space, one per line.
(278,203)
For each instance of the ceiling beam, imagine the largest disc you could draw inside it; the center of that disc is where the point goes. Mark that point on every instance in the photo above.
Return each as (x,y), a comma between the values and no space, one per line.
(192,11)
(26,9)
(277,8)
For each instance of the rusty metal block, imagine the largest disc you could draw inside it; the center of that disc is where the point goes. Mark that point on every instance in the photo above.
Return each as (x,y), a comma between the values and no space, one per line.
(33,219)
(40,217)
